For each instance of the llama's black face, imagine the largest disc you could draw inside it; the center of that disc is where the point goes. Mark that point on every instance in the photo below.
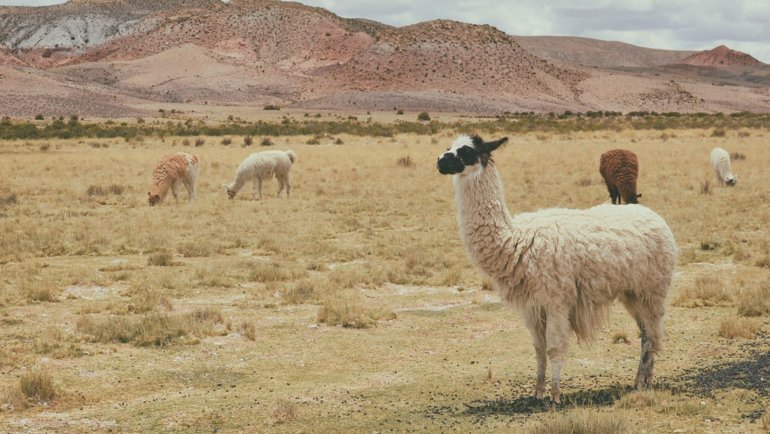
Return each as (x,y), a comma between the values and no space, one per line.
(731,181)
(634,198)
(467,152)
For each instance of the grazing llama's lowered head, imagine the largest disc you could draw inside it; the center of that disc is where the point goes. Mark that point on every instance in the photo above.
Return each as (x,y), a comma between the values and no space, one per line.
(731,180)
(468,156)
(230,192)
(153,198)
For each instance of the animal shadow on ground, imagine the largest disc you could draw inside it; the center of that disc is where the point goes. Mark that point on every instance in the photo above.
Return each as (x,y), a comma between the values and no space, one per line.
(751,373)
(530,404)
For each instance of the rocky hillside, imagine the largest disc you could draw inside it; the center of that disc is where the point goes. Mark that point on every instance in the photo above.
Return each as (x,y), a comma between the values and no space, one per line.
(720,57)
(594,52)
(134,53)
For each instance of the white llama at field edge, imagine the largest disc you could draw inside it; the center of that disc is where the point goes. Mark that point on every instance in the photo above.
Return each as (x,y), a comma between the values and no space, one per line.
(562,268)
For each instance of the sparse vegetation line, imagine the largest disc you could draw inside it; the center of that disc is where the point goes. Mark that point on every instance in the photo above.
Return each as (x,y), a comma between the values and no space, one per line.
(510,122)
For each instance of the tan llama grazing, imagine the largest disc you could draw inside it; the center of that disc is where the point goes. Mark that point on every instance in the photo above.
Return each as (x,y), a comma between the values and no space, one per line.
(562,268)
(173,170)
(620,170)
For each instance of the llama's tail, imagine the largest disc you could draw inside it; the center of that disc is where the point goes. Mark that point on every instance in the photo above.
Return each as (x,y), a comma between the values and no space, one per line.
(292,156)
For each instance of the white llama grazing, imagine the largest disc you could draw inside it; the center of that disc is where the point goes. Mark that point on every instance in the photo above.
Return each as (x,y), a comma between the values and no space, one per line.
(171,171)
(562,268)
(720,163)
(261,166)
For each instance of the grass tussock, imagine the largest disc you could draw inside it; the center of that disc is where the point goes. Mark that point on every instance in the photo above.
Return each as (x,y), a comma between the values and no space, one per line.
(35,290)
(739,328)
(755,302)
(98,190)
(152,329)
(662,402)
(707,291)
(8,199)
(581,421)
(405,162)
(145,300)
(345,310)
(160,259)
(275,272)
(56,344)
(620,338)
(249,330)
(737,155)
(706,187)
(284,412)
(193,249)
(34,388)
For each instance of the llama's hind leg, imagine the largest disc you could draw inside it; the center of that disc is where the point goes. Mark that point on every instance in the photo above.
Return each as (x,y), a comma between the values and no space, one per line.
(280,186)
(649,318)
(536,325)
(189,185)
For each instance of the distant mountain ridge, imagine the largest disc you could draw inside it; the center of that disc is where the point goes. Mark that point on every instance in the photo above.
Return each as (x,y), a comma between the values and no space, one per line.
(252,52)
(720,57)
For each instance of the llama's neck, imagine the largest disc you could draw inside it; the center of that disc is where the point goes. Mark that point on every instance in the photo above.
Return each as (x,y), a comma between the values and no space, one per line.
(236,185)
(486,227)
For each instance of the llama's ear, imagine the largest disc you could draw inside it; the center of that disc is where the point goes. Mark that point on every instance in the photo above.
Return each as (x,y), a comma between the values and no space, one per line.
(149,194)
(639,195)
(491,146)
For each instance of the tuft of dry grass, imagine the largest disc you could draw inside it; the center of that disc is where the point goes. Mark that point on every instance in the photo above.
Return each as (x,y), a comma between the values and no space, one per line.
(744,328)
(765,421)
(738,155)
(707,291)
(192,249)
(160,259)
(581,421)
(662,402)
(284,412)
(9,199)
(38,290)
(34,388)
(405,162)
(620,338)
(152,329)
(55,343)
(755,302)
(344,309)
(249,330)
(705,187)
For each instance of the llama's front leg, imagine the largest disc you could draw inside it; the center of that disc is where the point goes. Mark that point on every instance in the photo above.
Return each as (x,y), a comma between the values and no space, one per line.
(536,326)
(557,339)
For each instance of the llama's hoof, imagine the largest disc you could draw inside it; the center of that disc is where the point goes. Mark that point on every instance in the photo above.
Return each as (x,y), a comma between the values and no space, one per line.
(556,399)
(539,394)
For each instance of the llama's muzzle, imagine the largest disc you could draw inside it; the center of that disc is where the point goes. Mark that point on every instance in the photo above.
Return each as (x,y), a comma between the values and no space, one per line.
(449,164)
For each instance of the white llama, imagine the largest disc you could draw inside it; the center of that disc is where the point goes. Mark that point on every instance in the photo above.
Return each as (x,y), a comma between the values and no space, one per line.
(562,268)
(261,166)
(720,163)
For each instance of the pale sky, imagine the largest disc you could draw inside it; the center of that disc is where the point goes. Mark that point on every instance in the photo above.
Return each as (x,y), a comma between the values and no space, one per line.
(668,24)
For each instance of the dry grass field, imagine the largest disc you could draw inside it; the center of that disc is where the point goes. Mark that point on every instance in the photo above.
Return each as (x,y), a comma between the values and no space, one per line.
(351,306)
